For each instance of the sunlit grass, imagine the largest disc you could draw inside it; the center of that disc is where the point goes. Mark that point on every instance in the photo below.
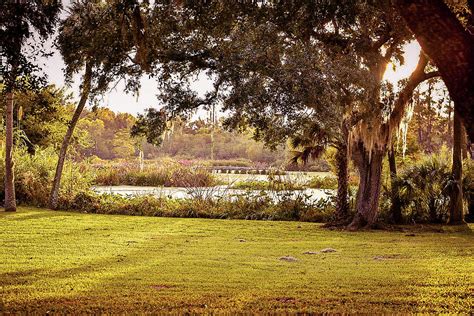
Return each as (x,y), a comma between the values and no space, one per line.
(71,262)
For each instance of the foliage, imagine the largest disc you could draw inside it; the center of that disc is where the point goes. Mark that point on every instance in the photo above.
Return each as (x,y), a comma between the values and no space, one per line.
(41,116)
(262,206)
(98,34)
(152,125)
(34,175)
(328,182)
(468,188)
(279,184)
(424,190)
(24,28)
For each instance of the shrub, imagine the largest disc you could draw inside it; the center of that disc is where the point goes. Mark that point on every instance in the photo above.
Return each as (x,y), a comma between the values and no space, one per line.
(261,206)
(328,183)
(468,188)
(34,176)
(424,190)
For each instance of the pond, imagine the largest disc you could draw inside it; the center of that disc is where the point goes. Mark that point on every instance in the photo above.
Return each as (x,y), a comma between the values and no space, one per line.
(216,192)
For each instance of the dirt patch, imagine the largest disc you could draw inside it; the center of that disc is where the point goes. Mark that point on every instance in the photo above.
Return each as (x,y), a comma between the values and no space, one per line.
(286,300)
(160,287)
(389,257)
(328,250)
(288,259)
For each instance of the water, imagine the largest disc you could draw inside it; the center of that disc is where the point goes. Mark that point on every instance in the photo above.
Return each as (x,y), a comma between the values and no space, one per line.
(212,192)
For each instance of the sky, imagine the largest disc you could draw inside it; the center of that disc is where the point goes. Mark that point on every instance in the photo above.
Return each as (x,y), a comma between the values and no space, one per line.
(411,55)
(115,99)
(119,101)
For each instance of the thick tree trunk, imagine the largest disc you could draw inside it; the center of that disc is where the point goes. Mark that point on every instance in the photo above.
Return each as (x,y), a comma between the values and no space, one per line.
(369,164)
(450,46)
(395,208)
(54,195)
(342,162)
(456,204)
(368,194)
(10,200)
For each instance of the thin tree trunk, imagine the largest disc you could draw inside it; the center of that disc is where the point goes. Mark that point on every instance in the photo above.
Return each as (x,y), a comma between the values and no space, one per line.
(456,203)
(342,204)
(370,172)
(470,149)
(450,125)
(10,200)
(54,195)
(395,208)
(463,142)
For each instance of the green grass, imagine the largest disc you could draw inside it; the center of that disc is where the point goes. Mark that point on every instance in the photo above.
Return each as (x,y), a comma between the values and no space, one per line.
(72,262)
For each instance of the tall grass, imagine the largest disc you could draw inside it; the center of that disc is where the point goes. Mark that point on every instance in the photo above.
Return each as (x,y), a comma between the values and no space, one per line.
(170,174)
(34,175)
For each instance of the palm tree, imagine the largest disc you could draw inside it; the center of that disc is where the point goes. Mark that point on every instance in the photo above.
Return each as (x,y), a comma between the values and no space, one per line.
(312,144)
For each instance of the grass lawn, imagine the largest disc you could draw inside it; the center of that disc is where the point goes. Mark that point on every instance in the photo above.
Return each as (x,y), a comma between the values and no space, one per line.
(71,262)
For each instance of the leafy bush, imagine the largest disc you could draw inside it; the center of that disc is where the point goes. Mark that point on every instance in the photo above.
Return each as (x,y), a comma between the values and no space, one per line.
(34,175)
(328,183)
(424,190)
(468,188)
(203,204)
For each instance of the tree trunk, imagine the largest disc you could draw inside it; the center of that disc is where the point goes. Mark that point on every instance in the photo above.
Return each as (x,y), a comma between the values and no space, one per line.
(456,203)
(450,46)
(10,200)
(342,204)
(470,149)
(395,208)
(54,195)
(463,142)
(369,165)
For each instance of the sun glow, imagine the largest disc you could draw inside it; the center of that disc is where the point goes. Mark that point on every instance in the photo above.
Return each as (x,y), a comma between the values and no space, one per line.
(396,72)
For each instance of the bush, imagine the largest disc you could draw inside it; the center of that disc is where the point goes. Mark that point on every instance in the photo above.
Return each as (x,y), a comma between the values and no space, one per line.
(328,183)
(424,191)
(468,188)
(34,176)
(262,206)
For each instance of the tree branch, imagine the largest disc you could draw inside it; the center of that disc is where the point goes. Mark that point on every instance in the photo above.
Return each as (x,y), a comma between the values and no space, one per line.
(417,77)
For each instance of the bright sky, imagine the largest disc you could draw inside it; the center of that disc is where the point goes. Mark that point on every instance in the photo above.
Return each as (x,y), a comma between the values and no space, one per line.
(116,99)
(411,56)
(119,101)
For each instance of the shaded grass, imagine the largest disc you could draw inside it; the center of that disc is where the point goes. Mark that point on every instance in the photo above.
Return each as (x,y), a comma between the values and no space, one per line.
(72,262)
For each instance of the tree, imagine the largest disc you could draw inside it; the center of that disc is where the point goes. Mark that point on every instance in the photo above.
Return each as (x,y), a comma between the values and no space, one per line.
(449,43)
(281,68)
(456,207)
(19,22)
(97,36)
(40,116)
